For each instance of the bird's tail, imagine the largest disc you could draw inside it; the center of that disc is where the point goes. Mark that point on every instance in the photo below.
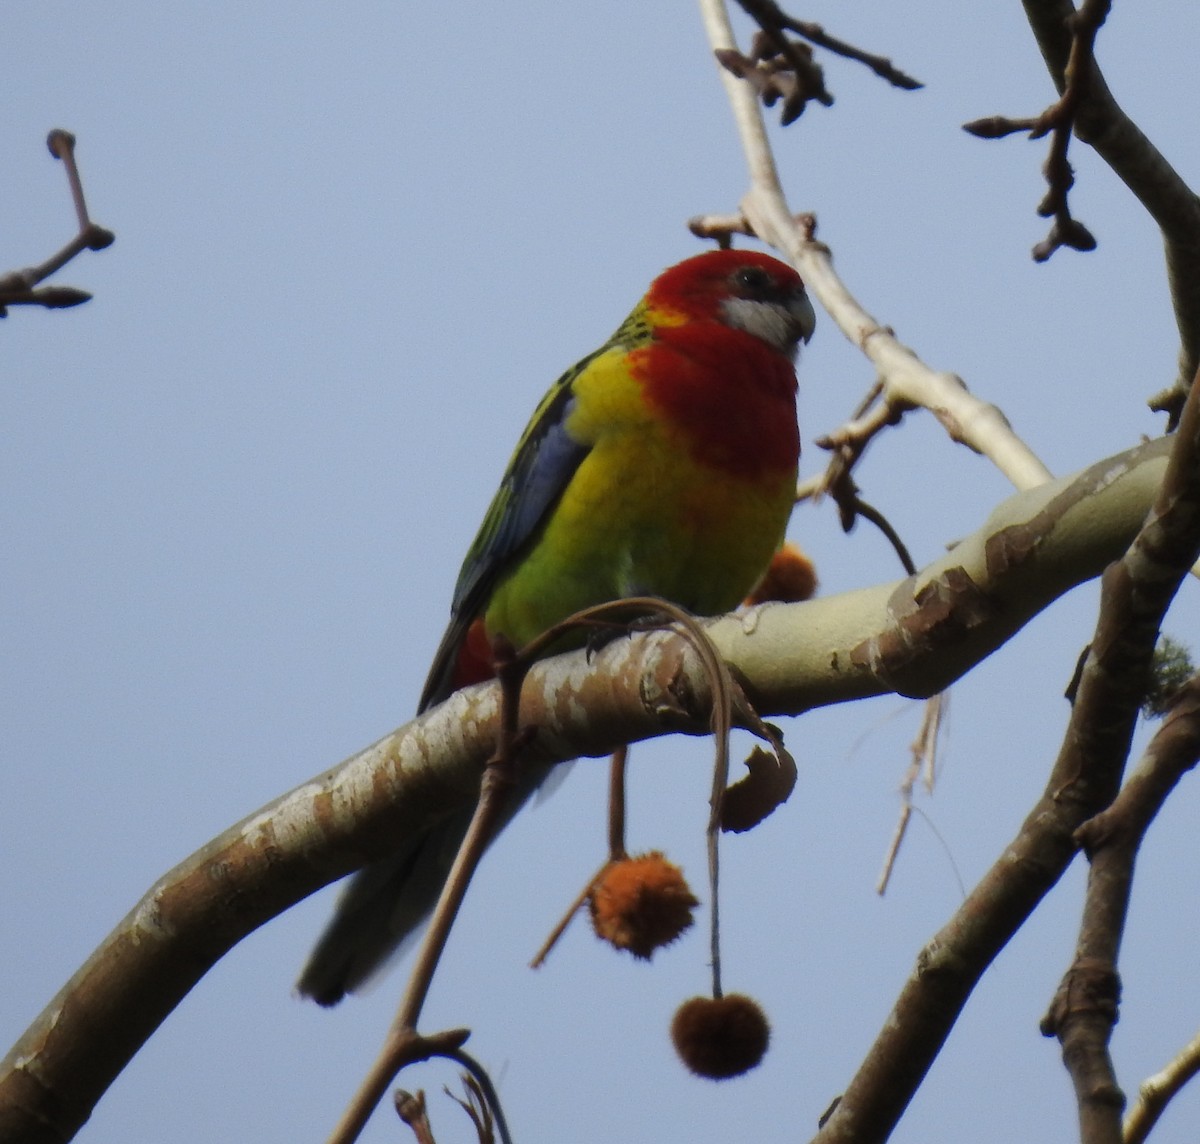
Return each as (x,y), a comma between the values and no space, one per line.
(380,913)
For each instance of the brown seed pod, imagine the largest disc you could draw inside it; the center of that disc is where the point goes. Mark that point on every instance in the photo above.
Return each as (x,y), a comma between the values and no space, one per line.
(720,1037)
(641,903)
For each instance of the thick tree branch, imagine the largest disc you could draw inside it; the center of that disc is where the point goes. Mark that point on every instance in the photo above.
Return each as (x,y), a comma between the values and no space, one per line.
(1136,591)
(1084,1009)
(913,637)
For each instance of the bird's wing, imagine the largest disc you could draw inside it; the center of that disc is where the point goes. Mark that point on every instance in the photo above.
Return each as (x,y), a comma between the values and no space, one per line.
(541,468)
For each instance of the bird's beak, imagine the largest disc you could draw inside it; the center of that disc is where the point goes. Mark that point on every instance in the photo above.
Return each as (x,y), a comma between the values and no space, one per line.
(803,314)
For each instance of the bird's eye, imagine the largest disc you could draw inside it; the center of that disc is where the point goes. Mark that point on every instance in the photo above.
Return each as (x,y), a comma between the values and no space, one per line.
(753,278)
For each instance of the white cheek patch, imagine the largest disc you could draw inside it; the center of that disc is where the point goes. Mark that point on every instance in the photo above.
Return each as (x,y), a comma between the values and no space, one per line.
(772,323)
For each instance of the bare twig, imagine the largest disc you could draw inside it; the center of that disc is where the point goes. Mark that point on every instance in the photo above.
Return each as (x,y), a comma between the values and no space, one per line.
(1102,124)
(403,1044)
(19,287)
(410,1107)
(616,851)
(841,486)
(907,381)
(560,927)
(478,1106)
(483,1106)
(1156,1092)
(767,10)
(782,68)
(923,764)
(1058,121)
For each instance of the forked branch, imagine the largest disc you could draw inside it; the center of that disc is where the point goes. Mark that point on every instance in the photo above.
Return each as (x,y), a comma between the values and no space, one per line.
(20,287)
(905,381)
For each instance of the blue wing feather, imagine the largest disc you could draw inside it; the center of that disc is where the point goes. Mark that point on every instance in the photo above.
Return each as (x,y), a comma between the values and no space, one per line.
(540,469)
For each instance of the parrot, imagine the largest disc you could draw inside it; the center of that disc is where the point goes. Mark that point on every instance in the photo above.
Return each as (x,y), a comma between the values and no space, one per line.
(662,464)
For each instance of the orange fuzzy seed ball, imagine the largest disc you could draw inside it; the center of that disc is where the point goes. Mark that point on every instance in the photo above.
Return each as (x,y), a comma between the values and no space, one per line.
(791,576)
(641,903)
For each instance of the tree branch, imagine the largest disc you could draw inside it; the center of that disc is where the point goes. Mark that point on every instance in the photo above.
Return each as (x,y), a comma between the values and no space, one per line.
(1102,124)
(907,382)
(913,637)
(1156,1092)
(18,287)
(1136,591)
(1084,1010)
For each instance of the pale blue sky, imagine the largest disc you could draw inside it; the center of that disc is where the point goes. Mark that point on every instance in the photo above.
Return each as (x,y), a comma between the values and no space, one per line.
(354,245)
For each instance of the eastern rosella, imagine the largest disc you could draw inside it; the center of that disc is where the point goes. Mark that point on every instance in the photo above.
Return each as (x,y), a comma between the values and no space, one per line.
(663,464)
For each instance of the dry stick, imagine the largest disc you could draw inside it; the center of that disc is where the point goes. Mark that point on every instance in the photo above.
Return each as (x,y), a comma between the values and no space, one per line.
(479,1085)
(17,287)
(539,958)
(924,747)
(616,851)
(842,488)
(1156,1092)
(478,1106)
(403,1044)
(924,760)
(616,802)
(1084,1009)
(1135,593)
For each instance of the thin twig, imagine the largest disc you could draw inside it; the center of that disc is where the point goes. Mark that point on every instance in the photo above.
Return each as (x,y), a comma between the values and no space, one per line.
(481,1086)
(1156,1092)
(403,1045)
(1103,125)
(616,802)
(923,750)
(780,68)
(906,379)
(539,958)
(1058,121)
(768,14)
(616,851)
(18,287)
